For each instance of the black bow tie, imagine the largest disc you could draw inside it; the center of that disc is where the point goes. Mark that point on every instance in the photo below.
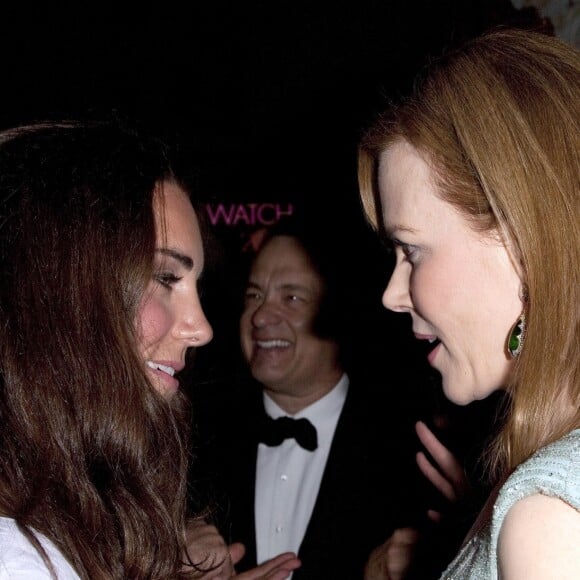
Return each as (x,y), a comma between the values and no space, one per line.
(274,431)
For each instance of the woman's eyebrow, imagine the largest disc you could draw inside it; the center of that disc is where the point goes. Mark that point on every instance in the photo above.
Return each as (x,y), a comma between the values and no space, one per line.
(393,230)
(184,260)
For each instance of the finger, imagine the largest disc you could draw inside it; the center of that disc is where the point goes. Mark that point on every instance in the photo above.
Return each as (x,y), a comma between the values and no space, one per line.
(277,568)
(283,562)
(392,558)
(375,568)
(434,516)
(196,530)
(435,477)
(406,535)
(278,575)
(237,552)
(399,561)
(400,552)
(377,563)
(446,461)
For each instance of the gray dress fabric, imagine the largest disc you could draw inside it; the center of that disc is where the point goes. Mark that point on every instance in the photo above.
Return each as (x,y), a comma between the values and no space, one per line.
(553,471)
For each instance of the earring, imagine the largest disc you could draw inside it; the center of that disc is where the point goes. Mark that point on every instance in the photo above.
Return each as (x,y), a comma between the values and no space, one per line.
(516,337)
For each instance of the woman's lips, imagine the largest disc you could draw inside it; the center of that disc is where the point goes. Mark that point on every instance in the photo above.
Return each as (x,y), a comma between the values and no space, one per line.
(433,345)
(433,352)
(164,372)
(168,384)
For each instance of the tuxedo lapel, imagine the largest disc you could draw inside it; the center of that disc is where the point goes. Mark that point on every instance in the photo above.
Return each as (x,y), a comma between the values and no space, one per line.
(243,492)
(240,480)
(242,509)
(337,478)
(356,509)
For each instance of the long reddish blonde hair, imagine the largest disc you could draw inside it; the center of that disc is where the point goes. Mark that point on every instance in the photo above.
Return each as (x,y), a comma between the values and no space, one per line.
(499,121)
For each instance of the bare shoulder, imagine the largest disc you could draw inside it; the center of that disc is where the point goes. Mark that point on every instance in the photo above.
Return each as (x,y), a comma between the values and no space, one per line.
(540,539)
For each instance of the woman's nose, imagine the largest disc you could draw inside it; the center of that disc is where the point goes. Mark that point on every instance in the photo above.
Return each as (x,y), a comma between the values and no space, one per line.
(396,296)
(194,326)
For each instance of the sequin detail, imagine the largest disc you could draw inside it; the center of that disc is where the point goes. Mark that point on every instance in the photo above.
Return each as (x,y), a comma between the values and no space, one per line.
(554,471)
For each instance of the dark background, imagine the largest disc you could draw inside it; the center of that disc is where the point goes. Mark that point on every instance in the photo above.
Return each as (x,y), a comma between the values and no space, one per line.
(265,101)
(265,97)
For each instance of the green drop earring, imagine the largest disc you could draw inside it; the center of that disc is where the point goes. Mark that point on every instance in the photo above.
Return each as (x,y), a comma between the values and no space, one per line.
(516,337)
(517,334)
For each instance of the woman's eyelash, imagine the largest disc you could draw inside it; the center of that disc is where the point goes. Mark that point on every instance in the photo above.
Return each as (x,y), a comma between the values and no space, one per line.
(166,279)
(408,250)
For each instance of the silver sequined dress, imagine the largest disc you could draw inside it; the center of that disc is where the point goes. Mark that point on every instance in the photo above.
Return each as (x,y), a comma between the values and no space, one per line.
(554,471)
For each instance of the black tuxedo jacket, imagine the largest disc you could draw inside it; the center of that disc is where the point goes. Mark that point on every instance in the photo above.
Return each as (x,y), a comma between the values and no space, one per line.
(368,489)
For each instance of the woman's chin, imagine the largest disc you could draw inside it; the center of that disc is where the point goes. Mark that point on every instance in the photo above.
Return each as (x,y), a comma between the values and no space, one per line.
(461,393)
(458,393)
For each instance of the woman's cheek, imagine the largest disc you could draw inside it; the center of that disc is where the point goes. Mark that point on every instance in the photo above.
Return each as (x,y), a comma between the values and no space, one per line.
(153,322)
(430,289)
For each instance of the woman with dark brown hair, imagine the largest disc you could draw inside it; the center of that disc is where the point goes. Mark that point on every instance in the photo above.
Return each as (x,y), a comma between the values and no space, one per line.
(100,254)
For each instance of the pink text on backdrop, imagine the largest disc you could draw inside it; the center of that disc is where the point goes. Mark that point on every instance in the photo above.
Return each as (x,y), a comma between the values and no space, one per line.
(251,214)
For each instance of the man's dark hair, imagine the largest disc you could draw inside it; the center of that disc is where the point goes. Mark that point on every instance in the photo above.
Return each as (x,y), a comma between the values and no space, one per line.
(337,253)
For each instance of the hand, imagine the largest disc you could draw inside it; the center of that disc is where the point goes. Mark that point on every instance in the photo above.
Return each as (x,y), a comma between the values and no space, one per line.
(391,560)
(207,549)
(278,568)
(450,478)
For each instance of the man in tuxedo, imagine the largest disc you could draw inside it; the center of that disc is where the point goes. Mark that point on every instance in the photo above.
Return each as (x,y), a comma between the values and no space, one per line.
(312,459)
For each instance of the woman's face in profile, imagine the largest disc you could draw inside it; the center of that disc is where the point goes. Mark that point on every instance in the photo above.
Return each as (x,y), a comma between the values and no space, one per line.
(171,319)
(459,286)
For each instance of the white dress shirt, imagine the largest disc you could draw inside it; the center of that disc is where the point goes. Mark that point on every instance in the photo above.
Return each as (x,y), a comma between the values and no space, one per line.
(288,477)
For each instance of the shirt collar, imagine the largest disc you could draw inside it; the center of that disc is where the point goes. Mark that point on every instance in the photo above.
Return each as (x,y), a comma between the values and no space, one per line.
(319,412)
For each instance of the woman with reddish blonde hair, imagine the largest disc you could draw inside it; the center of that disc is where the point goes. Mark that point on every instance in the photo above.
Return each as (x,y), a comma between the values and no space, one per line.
(475,178)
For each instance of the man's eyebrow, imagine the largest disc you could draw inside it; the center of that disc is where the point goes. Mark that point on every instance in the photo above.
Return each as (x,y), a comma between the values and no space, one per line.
(184,260)
(251,285)
(290,287)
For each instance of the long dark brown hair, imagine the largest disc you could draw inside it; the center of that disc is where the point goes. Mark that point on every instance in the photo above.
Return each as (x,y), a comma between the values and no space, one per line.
(90,455)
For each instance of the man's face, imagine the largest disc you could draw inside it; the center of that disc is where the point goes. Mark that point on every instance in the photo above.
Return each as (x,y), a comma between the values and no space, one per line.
(282,299)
